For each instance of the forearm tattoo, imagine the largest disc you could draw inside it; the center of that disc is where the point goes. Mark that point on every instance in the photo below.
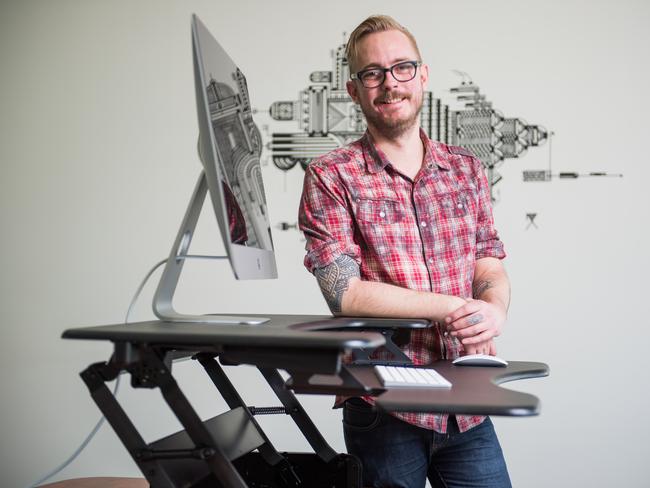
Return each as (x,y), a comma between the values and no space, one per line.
(334,280)
(480,287)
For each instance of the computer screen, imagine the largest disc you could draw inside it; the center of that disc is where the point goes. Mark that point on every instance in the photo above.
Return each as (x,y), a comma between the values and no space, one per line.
(229,149)
(230,146)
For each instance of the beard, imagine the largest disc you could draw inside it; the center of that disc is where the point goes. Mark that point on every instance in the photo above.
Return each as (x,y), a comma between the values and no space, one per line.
(389,127)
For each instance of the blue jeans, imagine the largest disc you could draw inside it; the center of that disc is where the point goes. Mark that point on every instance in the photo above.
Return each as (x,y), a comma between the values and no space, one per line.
(396,454)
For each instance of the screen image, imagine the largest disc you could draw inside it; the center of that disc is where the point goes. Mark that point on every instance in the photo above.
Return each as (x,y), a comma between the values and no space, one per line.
(238,148)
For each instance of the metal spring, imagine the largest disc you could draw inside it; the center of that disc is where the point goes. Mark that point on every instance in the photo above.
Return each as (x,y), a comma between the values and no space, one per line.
(268,410)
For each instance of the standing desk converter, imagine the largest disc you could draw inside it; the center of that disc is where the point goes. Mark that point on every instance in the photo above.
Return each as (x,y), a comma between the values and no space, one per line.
(231,449)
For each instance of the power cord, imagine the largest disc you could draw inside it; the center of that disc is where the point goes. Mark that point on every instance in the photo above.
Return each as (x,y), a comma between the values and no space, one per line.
(101,421)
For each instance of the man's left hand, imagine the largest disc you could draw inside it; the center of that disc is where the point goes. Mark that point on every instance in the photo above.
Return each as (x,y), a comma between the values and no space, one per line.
(488,348)
(476,321)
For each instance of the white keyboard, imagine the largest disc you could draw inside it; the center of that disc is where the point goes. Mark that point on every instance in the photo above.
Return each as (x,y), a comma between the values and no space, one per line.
(410,377)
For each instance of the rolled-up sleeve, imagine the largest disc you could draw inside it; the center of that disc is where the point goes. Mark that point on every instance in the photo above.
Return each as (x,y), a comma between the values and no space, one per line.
(488,243)
(325,219)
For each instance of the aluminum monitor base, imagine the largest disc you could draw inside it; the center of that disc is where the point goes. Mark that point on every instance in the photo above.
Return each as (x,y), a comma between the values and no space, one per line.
(163,306)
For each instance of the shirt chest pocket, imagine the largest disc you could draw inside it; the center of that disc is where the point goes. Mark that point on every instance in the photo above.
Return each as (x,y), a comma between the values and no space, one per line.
(458,203)
(379,211)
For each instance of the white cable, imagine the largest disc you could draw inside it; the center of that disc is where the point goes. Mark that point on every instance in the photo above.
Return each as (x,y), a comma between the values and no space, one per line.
(140,288)
(79,449)
(101,421)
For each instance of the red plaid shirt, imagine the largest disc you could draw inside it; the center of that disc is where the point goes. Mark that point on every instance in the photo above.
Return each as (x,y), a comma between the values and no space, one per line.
(424,234)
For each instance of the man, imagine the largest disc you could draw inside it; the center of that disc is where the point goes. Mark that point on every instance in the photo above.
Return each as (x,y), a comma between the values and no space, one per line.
(398,225)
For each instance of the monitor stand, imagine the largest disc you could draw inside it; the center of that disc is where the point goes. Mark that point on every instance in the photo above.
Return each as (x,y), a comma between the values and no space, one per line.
(162,301)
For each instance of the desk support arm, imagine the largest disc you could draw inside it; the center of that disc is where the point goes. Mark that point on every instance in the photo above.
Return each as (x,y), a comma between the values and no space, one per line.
(298,414)
(219,464)
(150,371)
(95,377)
(234,400)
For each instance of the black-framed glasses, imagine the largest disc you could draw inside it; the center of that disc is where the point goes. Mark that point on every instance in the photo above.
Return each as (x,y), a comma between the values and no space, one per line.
(373,77)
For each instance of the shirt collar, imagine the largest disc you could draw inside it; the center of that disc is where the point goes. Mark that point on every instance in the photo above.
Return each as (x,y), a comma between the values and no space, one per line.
(376,159)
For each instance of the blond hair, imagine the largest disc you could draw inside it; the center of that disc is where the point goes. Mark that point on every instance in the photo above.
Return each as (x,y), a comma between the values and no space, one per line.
(374,23)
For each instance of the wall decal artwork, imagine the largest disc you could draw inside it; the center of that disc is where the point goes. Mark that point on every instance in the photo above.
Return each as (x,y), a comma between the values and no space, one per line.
(536,175)
(328,118)
(530,218)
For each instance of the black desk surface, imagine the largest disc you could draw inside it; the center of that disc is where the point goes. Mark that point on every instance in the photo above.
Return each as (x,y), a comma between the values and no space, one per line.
(475,390)
(303,331)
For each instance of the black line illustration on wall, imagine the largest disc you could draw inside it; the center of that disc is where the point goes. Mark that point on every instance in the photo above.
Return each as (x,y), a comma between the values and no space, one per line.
(328,118)
(547,175)
(530,218)
(536,175)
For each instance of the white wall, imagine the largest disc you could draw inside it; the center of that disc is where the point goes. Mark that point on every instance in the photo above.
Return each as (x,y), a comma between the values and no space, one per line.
(97,150)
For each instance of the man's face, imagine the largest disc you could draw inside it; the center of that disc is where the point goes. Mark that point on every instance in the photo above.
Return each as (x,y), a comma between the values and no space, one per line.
(393,107)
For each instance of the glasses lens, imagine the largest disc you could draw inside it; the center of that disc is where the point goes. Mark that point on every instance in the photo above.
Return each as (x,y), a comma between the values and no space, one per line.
(372,77)
(404,71)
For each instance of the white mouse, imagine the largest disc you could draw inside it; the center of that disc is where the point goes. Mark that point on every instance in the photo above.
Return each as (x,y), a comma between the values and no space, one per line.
(479,360)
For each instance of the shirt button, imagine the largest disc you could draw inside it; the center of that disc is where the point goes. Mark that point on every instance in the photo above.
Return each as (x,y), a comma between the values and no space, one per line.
(423,224)
(382,214)
(460,205)
(430,260)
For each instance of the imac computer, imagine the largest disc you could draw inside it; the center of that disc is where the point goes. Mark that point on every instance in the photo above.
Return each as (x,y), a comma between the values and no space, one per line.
(229,148)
